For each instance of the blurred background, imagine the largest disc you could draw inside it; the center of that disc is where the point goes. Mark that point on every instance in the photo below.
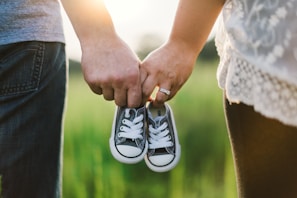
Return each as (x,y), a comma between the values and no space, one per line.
(205,169)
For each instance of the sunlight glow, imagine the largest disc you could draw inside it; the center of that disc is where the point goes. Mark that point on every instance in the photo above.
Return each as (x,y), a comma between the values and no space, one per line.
(132,20)
(125,9)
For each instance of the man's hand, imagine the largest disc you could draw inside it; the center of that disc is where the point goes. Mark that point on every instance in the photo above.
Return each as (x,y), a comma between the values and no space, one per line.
(109,66)
(112,69)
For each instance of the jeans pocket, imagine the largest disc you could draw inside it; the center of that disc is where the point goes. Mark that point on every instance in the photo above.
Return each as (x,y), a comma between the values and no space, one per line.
(20,67)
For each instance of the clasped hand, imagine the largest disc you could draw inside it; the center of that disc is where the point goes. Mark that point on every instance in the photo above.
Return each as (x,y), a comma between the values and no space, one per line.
(113,70)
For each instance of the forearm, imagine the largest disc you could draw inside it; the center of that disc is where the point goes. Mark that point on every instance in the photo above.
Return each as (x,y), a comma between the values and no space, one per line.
(109,66)
(90,19)
(193,22)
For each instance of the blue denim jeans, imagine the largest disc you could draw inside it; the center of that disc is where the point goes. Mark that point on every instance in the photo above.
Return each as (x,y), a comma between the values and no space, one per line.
(33,79)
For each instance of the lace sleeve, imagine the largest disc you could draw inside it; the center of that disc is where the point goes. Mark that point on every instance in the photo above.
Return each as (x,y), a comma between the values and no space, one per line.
(257,45)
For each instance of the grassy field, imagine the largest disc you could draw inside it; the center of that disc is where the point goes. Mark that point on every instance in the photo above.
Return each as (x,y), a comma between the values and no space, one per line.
(204,171)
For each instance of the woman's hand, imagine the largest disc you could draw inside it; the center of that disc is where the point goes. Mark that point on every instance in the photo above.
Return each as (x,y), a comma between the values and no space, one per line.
(168,68)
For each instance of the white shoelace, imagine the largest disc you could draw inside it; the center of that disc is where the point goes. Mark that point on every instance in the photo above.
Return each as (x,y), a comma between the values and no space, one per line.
(131,129)
(159,137)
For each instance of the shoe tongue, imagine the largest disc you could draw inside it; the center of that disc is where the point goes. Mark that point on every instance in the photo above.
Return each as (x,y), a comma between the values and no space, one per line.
(158,120)
(130,114)
(157,116)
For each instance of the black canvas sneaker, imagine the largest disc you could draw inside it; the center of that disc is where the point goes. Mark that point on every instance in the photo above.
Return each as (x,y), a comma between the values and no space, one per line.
(164,149)
(128,142)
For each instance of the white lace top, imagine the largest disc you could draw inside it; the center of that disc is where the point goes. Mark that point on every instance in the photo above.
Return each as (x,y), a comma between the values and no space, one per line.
(257,44)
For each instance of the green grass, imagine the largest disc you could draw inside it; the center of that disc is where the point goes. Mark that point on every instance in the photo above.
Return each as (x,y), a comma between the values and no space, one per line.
(205,169)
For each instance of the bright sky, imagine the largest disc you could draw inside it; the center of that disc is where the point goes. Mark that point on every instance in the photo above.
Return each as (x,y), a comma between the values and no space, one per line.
(132,19)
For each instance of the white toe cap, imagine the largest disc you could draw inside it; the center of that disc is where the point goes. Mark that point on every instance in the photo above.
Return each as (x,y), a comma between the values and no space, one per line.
(128,151)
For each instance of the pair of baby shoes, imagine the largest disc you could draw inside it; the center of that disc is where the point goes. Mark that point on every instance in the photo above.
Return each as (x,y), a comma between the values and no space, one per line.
(146,133)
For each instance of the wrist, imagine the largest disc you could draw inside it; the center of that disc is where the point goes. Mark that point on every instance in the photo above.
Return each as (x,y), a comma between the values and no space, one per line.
(103,37)
(188,49)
